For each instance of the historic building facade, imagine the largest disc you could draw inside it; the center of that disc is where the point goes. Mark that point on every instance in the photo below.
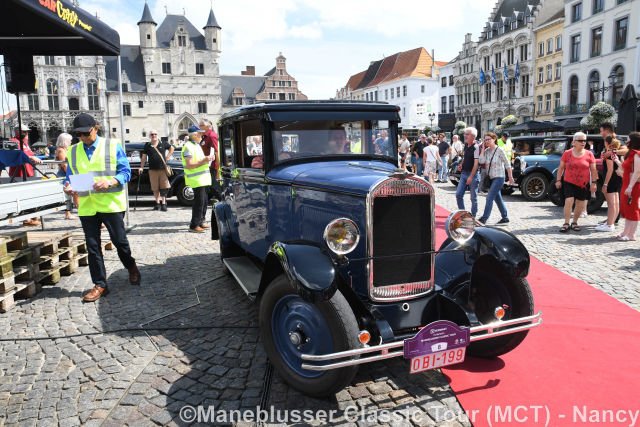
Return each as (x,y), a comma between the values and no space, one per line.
(65,86)
(600,54)
(467,88)
(548,44)
(169,81)
(407,79)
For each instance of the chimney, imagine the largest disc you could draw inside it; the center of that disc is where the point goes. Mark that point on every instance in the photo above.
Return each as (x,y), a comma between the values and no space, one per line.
(433,63)
(250,71)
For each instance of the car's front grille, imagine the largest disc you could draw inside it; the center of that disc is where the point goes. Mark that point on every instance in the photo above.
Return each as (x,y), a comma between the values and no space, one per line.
(401,237)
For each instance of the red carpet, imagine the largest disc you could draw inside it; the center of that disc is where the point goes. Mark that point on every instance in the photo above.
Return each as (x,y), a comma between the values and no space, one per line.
(580,367)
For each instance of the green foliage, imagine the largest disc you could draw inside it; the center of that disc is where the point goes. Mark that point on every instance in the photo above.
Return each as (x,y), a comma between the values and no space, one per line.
(508,121)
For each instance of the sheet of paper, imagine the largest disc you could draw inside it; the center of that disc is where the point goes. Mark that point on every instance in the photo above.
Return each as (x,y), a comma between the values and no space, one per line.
(82,182)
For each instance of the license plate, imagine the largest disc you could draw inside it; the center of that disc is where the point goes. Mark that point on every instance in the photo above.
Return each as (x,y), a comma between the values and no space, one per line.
(437,360)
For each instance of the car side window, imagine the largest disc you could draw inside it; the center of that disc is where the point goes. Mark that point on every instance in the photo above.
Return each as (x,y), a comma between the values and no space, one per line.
(227,146)
(250,154)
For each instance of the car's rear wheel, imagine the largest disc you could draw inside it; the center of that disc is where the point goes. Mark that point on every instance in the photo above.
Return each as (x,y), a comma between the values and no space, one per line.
(290,326)
(491,291)
(185,194)
(556,196)
(535,186)
(594,204)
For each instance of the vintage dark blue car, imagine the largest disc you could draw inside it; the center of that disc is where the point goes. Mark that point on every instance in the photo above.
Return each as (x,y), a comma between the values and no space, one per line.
(337,246)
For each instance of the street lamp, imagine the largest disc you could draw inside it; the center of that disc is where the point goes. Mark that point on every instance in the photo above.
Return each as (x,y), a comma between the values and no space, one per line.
(602,89)
(432,117)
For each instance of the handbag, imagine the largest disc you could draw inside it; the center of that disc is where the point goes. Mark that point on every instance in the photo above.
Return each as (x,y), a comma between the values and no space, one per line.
(167,168)
(485,184)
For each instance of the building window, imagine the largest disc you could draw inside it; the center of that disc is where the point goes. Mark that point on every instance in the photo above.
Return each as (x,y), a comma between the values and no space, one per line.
(549,72)
(126,109)
(499,90)
(512,87)
(148,36)
(547,103)
(617,85)
(70,60)
(49,60)
(443,82)
(53,100)
(404,91)
(540,75)
(596,42)
(126,131)
(524,52)
(237,101)
(575,48)
(281,97)
(292,97)
(622,26)
(452,101)
(558,43)
(202,107)
(486,63)
(573,90)
(386,93)
(272,96)
(398,92)
(392,93)
(421,91)
(168,107)
(498,59)
(524,85)
(556,100)
(140,104)
(199,68)
(450,81)
(539,103)
(487,92)
(598,6)
(549,46)
(510,57)
(558,70)
(166,68)
(443,104)
(576,12)
(34,102)
(114,130)
(92,95)
(182,41)
(540,49)
(594,87)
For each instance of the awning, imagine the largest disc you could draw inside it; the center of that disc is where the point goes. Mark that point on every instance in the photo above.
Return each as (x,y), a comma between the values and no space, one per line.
(53,27)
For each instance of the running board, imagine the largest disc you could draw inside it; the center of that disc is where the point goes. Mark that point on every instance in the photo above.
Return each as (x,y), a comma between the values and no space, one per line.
(246,273)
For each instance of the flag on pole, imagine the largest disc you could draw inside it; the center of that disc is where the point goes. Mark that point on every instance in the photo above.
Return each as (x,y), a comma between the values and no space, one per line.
(517,73)
(482,77)
(493,75)
(505,73)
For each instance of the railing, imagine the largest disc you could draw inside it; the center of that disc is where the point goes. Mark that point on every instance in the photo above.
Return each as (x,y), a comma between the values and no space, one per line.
(565,110)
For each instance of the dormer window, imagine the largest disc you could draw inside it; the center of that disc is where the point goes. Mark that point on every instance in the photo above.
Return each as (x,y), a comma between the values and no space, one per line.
(182,41)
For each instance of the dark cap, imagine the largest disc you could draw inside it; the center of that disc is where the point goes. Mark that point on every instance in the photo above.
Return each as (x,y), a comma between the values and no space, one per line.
(195,129)
(83,122)
(505,134)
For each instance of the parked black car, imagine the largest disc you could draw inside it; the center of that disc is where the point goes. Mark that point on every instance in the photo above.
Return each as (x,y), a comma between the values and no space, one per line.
(179,189)
(337,246)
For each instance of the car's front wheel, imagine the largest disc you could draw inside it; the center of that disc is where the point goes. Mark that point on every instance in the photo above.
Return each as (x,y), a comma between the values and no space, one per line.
(291,326)
(185,194)
(490,292)
(535,186)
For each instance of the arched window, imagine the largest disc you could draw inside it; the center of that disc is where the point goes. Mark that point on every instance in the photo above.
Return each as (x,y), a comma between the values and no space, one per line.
(52,95)
(573,91)
(184,124)
(594,87)
(617,84)
(92,95)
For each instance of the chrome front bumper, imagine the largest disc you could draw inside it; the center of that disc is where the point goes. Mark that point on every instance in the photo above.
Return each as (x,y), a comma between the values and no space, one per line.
(396,349)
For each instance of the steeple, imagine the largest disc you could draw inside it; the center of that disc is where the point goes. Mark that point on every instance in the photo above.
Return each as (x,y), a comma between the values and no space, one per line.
(146,16)
(211,22)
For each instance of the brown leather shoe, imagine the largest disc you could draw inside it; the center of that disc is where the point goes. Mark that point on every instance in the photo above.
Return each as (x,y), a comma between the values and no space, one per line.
(196,230)
(205,226)
(95,294)
(134,275)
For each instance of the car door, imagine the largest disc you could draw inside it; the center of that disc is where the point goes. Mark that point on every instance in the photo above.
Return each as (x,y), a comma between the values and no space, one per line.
(247,182)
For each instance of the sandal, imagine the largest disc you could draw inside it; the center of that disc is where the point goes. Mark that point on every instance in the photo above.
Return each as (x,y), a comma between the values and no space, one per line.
(575,226)
(565,227)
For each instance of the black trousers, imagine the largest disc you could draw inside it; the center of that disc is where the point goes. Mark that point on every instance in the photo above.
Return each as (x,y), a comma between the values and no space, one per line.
(115,226)
(199,208)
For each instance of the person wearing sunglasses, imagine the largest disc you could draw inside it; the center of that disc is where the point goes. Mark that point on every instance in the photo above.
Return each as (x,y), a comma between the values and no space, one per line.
(158,153)
(105,203)
(578,169)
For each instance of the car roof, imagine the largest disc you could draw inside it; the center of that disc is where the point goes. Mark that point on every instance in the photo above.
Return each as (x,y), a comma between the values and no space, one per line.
(319,105)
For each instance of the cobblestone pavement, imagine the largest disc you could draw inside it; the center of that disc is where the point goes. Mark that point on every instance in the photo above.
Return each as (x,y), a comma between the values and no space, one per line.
(200,342)
(594,257)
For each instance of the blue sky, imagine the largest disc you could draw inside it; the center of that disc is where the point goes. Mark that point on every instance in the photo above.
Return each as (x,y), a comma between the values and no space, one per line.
(324,41)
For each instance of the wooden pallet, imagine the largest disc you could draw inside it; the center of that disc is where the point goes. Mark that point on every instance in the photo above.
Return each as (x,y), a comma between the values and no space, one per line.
(53,275)
(7,283)
(12,242)
(15,259)
(20,291)
(51,242)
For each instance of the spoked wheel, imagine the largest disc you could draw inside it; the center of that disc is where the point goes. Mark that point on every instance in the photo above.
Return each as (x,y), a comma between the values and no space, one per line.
(492,291)
(291,326)
(535,187)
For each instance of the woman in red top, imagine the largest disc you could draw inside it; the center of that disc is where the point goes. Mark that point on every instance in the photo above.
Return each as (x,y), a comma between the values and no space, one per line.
(630,193)
(580,178)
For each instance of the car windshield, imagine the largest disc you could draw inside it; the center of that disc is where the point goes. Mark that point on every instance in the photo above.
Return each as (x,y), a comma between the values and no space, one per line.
(554,147)
(293,140)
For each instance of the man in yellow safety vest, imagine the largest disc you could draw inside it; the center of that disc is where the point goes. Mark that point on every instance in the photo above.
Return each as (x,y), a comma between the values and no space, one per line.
(197,176)
(104,161)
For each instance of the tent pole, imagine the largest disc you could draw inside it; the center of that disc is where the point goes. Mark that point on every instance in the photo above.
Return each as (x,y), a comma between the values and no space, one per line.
(126,191)
(20,136)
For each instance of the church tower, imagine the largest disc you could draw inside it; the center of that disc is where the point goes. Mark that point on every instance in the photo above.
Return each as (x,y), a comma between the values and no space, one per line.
(147,27)
(213,33)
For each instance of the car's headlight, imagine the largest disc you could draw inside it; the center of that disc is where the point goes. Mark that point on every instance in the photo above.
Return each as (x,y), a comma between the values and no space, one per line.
(523,164)
(342,236)
(460,226)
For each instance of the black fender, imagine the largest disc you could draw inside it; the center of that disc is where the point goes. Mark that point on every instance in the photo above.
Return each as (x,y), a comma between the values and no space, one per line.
(175,182)
(308,268)
(488,248)
(535,168)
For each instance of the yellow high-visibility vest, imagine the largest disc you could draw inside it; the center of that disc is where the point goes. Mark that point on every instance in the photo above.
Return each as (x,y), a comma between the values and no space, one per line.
(200,176)
(103,166)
